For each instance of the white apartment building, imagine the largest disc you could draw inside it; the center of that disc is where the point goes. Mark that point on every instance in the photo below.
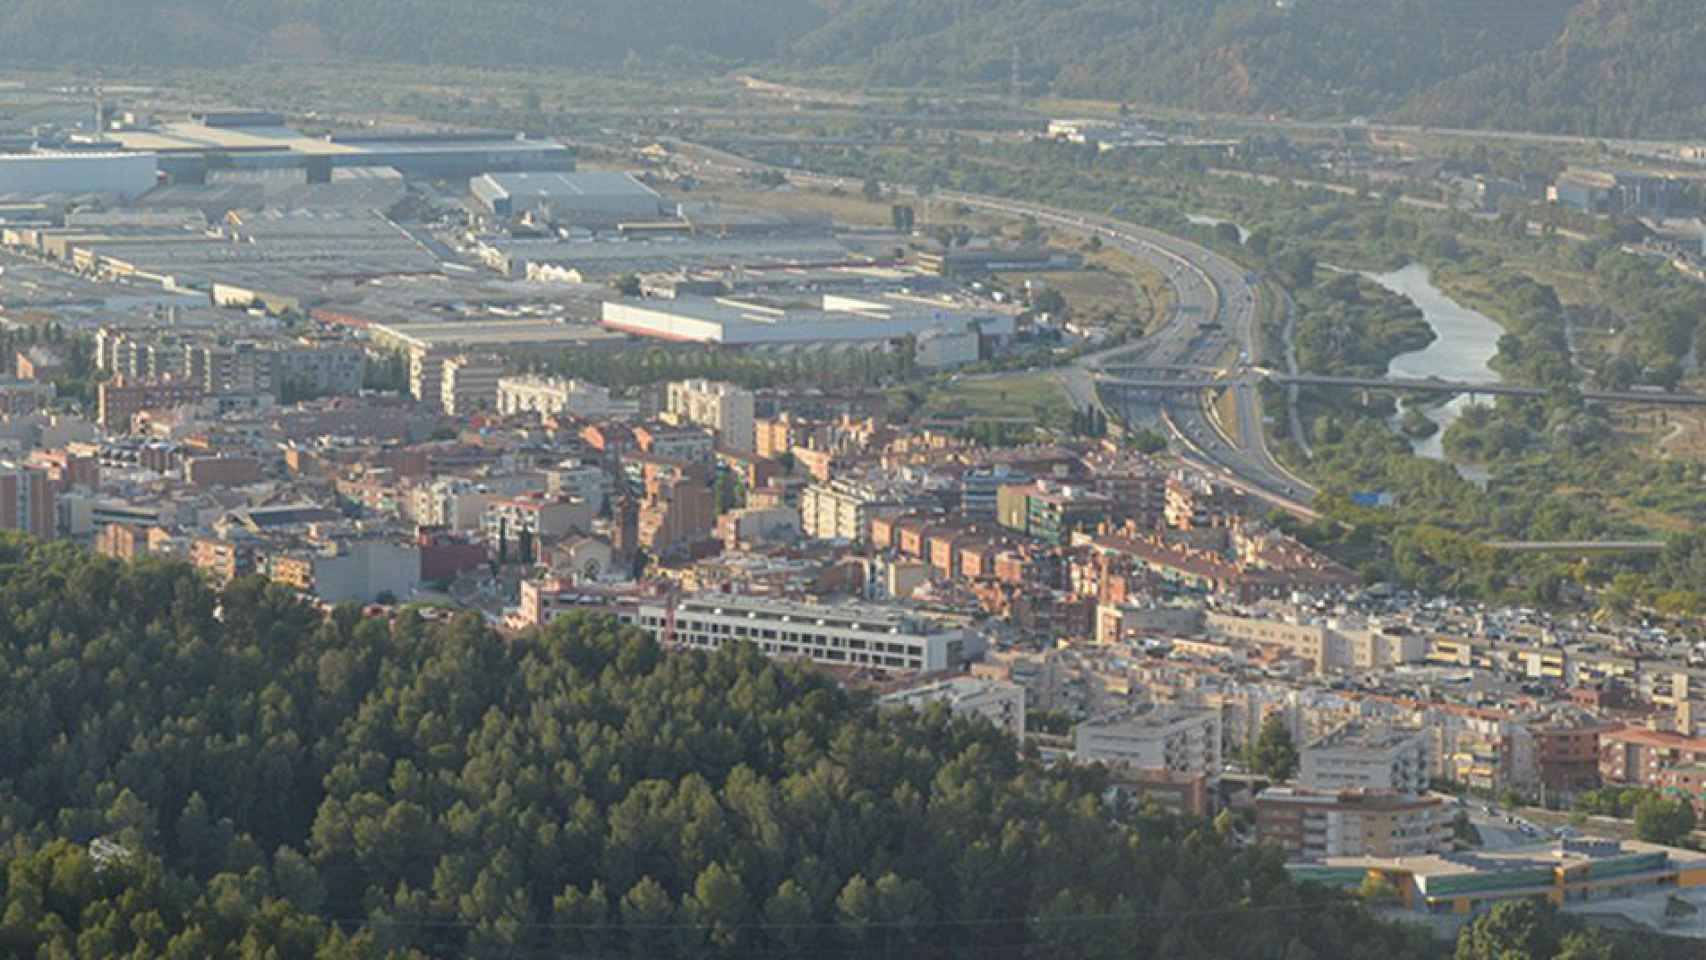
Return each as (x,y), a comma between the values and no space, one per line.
(583,481)
(846,634)
(997,701)
(1176,739)
(840,510)
(723,408)
(552,396)
(1358,757)
(470,384)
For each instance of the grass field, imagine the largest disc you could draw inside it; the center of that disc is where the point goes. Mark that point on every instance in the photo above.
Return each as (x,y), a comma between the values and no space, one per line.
(1035,396)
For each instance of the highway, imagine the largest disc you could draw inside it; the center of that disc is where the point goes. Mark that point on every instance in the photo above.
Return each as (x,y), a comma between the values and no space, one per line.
(1212,327)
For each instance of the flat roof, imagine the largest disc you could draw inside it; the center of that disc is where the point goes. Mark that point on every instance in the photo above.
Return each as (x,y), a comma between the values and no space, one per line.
(589,183)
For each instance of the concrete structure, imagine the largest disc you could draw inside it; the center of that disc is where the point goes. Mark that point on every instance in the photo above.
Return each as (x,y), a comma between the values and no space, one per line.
(584,198)
(1355,757)
(121,398)
(552,397)
(836,319)
(1564,873)
(123,175)
(189,150)
(997,701)
(1326,645)
(1175,739)
(360,571)
(1049,511)
(946,349)
(468,384)
(24,396)
(722,408)
(536,515)
(1351,823)
(845,634)
(27,501)
(843,510)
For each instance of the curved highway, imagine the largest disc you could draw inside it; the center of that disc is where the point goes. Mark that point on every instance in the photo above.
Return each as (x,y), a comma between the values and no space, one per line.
(1213,326)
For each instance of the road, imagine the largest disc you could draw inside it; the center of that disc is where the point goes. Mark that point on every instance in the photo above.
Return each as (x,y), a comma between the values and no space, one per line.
(1215,309)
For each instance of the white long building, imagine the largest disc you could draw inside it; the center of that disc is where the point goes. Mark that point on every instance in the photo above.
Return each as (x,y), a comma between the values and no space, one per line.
(847,634)
(997,701)
(552,396)
(730,321)
(1175,739)
(124,175)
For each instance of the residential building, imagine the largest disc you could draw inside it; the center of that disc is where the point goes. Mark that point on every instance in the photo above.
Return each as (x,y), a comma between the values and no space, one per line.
(121,398)
(723,408)
(469,384)
(843,509)
(685,444)
(1176,739)
(535,515)
(679,510)
(1358,757)
(1309,825)
(997,701)
(1637,756)
(1050,512)
(27,501)
(19,396)
(552,397)
(360,571)
(846,634)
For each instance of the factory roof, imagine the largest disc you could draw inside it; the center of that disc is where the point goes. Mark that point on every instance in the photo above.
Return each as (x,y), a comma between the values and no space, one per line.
(589,183)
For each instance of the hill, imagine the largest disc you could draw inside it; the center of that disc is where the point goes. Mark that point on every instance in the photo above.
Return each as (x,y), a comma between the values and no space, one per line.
(1608,67)
(201,774)
(1602,67)
(568,33)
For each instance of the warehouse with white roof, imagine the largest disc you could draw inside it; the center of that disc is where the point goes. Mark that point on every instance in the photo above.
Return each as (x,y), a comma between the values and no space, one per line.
(589,198)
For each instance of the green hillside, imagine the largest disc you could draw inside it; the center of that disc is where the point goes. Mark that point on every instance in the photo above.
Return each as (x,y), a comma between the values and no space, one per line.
(1606,67)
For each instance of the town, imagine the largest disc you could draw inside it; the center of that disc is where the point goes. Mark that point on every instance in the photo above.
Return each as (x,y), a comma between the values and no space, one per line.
(452,371)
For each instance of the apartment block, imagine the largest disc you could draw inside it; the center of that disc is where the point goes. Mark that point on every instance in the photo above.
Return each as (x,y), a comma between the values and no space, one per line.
(1176,739)
(1000,702)
(1309,825)
(469,384)
(722,408)
(1358,757)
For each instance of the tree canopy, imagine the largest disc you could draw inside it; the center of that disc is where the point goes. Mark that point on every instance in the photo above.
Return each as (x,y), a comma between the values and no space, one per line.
(232,774)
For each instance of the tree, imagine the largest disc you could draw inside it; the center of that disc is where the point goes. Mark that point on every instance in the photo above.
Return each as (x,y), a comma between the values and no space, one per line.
(872,189)
(1275,755)
(1666,820)
(1512,929)
(903,217)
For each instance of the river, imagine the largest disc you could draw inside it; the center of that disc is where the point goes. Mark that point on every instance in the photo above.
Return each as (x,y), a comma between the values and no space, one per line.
(1464,343)
(1204,220)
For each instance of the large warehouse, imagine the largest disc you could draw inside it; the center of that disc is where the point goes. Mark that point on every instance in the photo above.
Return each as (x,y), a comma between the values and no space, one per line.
(590,198)
(212,142)
(123,175)
(733,322)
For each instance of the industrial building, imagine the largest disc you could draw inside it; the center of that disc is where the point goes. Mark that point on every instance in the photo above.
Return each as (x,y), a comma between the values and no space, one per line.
(122,175)
(590,198)
(247,141)
(1565,872)
(831,319)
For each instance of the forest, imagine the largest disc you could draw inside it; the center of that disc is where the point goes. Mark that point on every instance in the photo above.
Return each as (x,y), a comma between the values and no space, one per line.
(194,774)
